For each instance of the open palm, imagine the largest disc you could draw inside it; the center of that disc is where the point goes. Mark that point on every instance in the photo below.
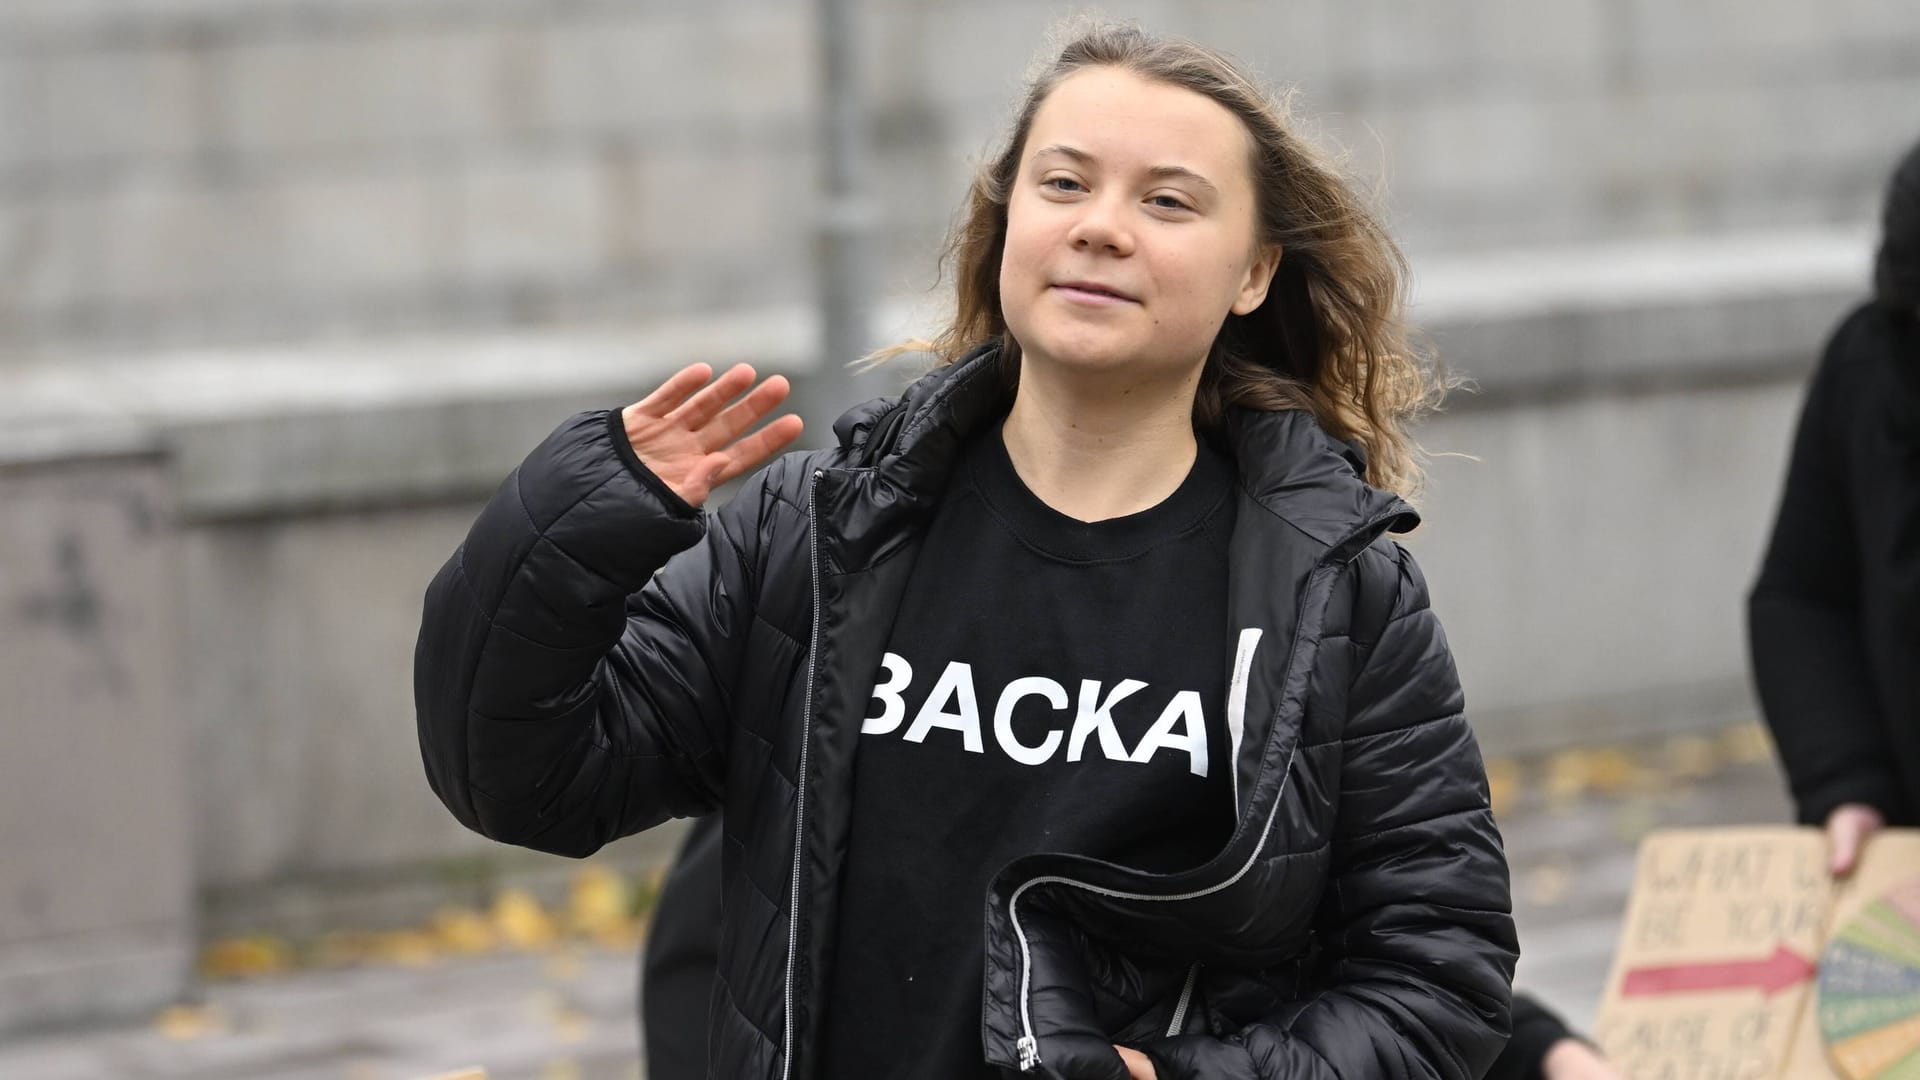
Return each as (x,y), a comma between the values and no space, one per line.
(694,440)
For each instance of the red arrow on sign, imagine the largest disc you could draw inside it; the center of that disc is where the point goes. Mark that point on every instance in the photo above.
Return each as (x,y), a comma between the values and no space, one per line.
(1770,976)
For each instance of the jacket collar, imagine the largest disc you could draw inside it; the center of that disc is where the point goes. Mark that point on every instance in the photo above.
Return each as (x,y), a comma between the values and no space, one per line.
(1286,462)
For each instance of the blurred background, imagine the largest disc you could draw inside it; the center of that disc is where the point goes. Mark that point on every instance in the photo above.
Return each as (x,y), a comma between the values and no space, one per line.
(288,286)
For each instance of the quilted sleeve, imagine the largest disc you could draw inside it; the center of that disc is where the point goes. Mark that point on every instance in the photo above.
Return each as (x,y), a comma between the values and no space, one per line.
(576,654)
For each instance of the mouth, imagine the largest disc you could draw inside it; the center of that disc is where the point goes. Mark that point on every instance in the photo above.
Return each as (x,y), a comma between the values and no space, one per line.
(1093,292)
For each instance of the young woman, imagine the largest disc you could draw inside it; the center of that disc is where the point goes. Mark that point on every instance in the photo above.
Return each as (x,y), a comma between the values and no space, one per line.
(1073,715)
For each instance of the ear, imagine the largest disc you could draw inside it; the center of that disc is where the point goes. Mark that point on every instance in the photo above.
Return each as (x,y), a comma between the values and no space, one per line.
(1253,291)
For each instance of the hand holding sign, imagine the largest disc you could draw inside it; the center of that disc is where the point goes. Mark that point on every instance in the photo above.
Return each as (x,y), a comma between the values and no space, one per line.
(1743,956)
(1849,827)
(1571,1059)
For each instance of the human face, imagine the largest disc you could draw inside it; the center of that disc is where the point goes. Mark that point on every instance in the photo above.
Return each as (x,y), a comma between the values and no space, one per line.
(1130,229)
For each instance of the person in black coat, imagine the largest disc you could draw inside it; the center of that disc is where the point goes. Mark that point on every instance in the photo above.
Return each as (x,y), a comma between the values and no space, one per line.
(1074,714)
(1834,617)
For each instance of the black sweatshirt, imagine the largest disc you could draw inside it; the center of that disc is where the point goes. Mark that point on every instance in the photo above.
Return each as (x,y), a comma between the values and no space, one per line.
(1834,619)
(1050,685)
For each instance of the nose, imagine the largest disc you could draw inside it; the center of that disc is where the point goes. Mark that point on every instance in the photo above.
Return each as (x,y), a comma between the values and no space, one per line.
(1102,226)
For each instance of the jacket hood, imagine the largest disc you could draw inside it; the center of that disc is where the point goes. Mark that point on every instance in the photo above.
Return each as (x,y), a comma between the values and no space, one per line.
(1286,461)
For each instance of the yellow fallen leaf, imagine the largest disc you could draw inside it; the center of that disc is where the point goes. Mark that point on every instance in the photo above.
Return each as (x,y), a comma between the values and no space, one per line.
(1503,783)
(1592,770)
(598,902)
(561,1069)
(259,954)
(464,932)
(521,922)
(184,1023)
(406,948)
(1690,757)
(621,937)
(1747,744)
(342,948)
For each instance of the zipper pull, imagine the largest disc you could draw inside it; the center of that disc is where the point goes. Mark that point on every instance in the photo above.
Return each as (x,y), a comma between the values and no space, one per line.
(1029,1048)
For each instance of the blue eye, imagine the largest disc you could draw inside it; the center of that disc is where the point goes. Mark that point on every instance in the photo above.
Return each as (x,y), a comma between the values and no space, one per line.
(1055,181)
(1168,202)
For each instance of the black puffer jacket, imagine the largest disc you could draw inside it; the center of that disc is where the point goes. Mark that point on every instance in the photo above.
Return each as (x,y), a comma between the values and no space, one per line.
(1834,619)
(1356,925)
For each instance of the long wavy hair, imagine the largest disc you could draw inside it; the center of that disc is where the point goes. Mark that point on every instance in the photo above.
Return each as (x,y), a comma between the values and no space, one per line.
(1330,338)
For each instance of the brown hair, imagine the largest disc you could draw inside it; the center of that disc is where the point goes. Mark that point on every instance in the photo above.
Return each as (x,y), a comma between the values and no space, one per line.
(1330,337)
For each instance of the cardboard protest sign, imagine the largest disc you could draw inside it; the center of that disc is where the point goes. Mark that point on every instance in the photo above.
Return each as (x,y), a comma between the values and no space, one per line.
(1740,959)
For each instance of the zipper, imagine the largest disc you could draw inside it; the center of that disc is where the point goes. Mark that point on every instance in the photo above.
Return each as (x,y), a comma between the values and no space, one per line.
(1186,998)
(1027,1045)
(1237,707)
(800,783)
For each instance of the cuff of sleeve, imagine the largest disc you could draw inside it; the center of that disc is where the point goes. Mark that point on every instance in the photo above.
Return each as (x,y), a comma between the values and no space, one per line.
(617,434)
(1194,1057)
(1872,789)
(1534,1033)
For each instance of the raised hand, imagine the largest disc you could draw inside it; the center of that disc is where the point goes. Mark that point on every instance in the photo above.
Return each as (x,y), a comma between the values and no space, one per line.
(688,434)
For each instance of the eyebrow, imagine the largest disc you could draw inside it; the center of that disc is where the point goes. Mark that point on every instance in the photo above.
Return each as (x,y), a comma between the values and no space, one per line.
(1159,172)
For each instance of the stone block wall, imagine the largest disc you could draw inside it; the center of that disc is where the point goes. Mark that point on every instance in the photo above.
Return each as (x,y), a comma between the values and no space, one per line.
(194,171)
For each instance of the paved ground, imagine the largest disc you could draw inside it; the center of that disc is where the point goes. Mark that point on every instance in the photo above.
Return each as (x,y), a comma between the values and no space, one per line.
(1573,856)
(1571,824)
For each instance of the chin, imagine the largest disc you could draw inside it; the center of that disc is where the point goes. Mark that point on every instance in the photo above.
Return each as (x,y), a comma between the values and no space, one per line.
(1082,351)
(1091,361)
(1136,364)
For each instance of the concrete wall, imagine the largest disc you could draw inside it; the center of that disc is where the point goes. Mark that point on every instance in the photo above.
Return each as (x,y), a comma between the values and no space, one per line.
(194,171)
(1590,559)
(1600,498)
(96,778)
(211,567)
